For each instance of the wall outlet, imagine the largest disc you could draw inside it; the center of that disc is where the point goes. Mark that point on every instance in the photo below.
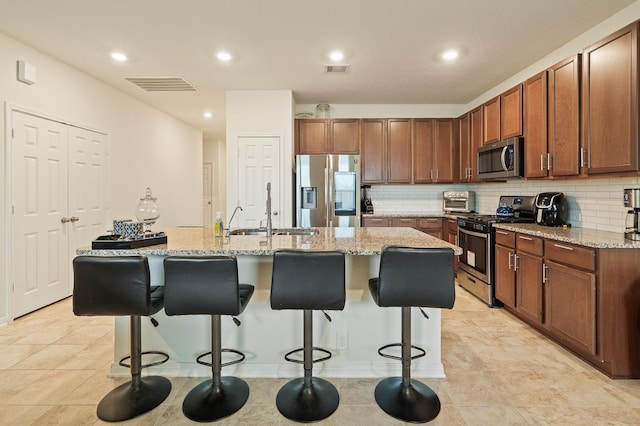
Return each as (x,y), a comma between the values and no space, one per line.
(341,340)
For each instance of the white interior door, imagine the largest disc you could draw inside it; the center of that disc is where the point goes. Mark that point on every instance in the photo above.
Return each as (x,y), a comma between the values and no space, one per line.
(39,254)
(258,164)
(207,194)
(87,188)
(58,189)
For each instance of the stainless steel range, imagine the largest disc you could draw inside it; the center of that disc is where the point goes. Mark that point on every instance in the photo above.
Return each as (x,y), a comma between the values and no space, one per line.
(477,236)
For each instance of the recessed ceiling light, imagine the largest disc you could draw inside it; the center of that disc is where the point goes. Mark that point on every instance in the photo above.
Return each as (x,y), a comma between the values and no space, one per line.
(207,115)
(449,55)
(336,56)
(223,56)
(118,56)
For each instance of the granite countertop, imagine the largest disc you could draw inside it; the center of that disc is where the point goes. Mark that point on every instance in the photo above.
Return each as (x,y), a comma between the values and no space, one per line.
(580,236)
(351,241)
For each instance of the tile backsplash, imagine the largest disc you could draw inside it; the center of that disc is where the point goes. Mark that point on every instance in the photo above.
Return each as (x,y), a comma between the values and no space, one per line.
(594,203)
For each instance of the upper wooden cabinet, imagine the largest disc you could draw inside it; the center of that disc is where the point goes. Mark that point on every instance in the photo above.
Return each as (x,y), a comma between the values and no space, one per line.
(312,136)
(399,151)
(434,150)
(564,117)
(344,136)
(503,116)
(464,147)
(323,136)
(511,113)
(610,103)
(476,135)
(491,115)
(373,151)
(535,126)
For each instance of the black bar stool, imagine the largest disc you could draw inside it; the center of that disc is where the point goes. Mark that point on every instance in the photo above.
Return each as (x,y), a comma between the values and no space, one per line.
(208,285)
(120,285)
(309,281)
(421,277)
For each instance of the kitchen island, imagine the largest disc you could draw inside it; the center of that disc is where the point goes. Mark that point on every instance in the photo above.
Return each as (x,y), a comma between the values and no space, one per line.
(354,335)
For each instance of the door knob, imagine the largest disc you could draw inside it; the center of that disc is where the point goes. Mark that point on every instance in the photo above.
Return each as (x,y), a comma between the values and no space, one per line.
(74,219)
(275,213)
(65,220)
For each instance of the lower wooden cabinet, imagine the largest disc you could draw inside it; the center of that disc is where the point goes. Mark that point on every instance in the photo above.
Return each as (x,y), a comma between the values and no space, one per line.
(584,298)
(375,221)
(431,226)
(571,306)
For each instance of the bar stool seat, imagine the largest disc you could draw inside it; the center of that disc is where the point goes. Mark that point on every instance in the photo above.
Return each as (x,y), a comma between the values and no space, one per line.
(420,277)
(208,285)
(308,281)
(120,285)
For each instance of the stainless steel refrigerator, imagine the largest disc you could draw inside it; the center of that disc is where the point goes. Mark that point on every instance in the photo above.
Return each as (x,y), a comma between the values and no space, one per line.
(328,190)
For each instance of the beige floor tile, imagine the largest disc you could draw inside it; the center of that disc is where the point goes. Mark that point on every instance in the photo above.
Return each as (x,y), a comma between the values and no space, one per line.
(85,335)
(90,357)
(51,388)
(45,335)
(22,414)
(49,357)
(587,416)
(15,381)
(12,354)
(493,415)
(79,415)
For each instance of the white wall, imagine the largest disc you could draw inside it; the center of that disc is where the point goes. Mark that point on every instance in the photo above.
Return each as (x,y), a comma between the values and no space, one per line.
(260,113)
(148,147)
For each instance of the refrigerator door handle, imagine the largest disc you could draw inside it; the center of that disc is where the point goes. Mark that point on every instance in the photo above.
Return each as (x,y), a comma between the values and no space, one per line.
(330,193)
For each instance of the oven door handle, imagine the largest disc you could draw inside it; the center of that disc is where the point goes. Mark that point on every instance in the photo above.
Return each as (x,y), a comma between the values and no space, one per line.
(475,234)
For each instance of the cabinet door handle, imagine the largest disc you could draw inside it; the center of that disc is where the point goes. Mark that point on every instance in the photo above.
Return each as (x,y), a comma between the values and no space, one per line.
(515,262)
(509,265)
(501,232)
(541,162)
(544,273)
(548,161)
(522,237)
(581,157)
(560,246)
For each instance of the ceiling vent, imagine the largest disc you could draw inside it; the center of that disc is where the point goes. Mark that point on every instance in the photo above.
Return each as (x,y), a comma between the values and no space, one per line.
(336,68)
(163,84)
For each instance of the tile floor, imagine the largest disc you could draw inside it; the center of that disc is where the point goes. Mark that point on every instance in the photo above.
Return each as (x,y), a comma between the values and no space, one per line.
(53,370)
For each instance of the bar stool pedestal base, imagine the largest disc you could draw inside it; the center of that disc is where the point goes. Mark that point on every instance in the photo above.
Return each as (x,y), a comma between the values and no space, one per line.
(415,403)
(129,400)
(208,403)
(307,404)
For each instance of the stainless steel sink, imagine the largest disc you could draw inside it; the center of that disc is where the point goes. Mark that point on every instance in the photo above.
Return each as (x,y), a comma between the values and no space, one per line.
(276,231)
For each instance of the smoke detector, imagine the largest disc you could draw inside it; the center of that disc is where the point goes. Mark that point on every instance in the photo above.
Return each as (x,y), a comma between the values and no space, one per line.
(335,68)
(162,84)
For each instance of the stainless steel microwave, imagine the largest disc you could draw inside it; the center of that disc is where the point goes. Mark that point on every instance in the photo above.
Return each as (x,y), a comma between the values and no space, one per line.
(501,160)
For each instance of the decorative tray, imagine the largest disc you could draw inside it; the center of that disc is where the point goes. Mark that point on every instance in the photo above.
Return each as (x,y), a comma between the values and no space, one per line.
(114,242)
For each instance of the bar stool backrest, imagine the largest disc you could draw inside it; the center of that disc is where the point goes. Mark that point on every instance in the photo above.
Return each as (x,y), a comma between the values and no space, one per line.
(308,280)
(206,285)
(111,285)
(416,277)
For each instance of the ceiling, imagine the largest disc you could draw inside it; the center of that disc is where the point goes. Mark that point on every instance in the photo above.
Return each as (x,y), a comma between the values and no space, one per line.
(392,46)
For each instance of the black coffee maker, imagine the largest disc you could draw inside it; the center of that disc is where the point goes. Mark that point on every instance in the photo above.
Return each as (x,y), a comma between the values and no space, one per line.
(365,202)
(552,209)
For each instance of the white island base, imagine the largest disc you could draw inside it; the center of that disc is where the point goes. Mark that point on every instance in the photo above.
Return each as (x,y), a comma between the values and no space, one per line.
(353,336)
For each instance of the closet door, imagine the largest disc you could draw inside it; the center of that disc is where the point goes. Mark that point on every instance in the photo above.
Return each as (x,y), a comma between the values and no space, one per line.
(40,243)
(87,187)
(58,187)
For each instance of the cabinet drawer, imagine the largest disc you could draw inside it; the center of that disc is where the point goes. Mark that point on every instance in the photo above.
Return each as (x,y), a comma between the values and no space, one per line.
(375,221)
(529,244)
(430,222)
(505,238)
(410,222)
(569,254)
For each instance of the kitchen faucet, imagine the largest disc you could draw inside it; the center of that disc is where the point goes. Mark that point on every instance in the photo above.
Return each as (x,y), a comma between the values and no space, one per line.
(228,230)
(269,224)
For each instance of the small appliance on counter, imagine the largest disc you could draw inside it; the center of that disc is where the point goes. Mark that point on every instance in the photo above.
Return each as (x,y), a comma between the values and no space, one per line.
(632,201)
(458,201)
(552,209)
(366,206)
